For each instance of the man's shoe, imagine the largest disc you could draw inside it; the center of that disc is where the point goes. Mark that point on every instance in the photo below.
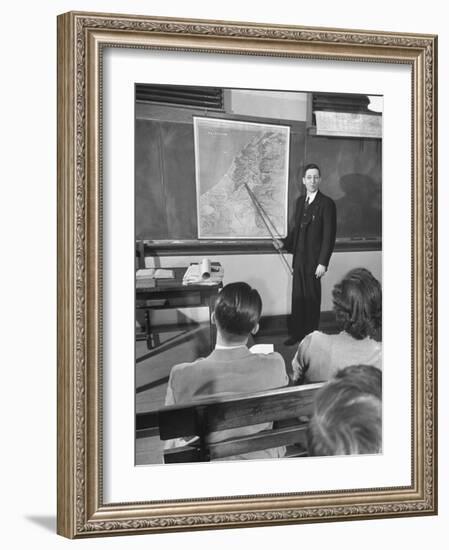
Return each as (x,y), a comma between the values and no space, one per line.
(291,340)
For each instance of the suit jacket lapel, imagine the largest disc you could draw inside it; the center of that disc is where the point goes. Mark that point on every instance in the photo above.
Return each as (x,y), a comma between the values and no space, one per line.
(313,208)
(318,198)
(316,204)
(299,212)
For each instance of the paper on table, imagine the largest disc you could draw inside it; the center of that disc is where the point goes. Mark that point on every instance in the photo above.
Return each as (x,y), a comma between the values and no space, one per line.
(262,348)
(206,273)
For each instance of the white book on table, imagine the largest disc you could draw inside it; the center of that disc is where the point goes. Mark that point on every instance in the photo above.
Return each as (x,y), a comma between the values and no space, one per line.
(145,273)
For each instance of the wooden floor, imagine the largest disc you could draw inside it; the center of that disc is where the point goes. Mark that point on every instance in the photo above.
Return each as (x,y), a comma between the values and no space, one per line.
(153,368)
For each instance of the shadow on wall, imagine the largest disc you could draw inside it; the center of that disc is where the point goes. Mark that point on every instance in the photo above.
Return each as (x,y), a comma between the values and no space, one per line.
(359,211)
(46,522)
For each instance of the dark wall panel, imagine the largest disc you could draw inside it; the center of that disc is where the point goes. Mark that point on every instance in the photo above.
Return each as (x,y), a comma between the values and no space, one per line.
(151,218)
(179,177)
(352,176)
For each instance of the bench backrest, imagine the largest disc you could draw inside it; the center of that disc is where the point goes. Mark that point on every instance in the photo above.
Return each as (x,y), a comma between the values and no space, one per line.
(289,408)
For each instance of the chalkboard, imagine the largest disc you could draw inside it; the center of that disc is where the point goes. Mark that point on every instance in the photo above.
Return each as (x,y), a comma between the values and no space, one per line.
(352,176)
(165,182)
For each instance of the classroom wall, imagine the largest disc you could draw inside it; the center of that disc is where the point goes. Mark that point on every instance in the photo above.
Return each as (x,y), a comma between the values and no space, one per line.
(165,169)
(267,273)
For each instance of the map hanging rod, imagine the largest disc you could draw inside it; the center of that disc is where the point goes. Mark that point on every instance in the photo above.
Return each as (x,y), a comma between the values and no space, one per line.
(267,222)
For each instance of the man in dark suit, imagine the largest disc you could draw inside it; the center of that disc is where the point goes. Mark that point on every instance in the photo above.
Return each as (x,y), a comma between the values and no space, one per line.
(311,240)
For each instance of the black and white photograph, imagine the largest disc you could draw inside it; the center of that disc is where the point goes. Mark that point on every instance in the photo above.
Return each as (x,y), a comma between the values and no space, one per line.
(258,273)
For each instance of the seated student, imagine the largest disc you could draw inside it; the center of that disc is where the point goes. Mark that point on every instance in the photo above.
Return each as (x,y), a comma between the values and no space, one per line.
(358,307)
(231,368)
(347,417)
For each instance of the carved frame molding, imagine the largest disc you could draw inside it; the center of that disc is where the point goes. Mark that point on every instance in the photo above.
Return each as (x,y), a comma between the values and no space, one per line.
(81,38)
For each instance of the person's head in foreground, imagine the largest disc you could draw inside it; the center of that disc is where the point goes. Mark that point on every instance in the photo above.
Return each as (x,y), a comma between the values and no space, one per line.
(347,416)
(236,314)
(357,300)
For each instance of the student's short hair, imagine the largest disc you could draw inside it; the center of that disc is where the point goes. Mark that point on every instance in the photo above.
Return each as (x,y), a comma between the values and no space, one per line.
(357,300)
(364,378)
(347,416)
(238,309)
(311,166)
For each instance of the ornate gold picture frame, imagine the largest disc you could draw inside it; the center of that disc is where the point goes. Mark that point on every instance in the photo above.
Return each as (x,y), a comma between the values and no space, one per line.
(82,509)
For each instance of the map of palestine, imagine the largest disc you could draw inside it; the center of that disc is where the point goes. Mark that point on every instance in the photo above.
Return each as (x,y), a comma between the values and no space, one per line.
(251,184)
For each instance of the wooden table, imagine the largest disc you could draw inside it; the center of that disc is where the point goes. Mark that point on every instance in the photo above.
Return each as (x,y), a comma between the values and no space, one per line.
(172,294)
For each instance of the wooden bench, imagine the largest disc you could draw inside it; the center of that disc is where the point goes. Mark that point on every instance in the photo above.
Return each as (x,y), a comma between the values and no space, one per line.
(288,408)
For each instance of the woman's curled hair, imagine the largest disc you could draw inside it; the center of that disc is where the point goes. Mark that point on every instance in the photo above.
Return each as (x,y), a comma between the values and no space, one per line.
(357,303)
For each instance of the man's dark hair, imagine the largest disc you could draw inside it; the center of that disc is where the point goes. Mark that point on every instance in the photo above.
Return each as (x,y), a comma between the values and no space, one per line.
(357,303)
(311,166)
(347,416)
(238,309)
